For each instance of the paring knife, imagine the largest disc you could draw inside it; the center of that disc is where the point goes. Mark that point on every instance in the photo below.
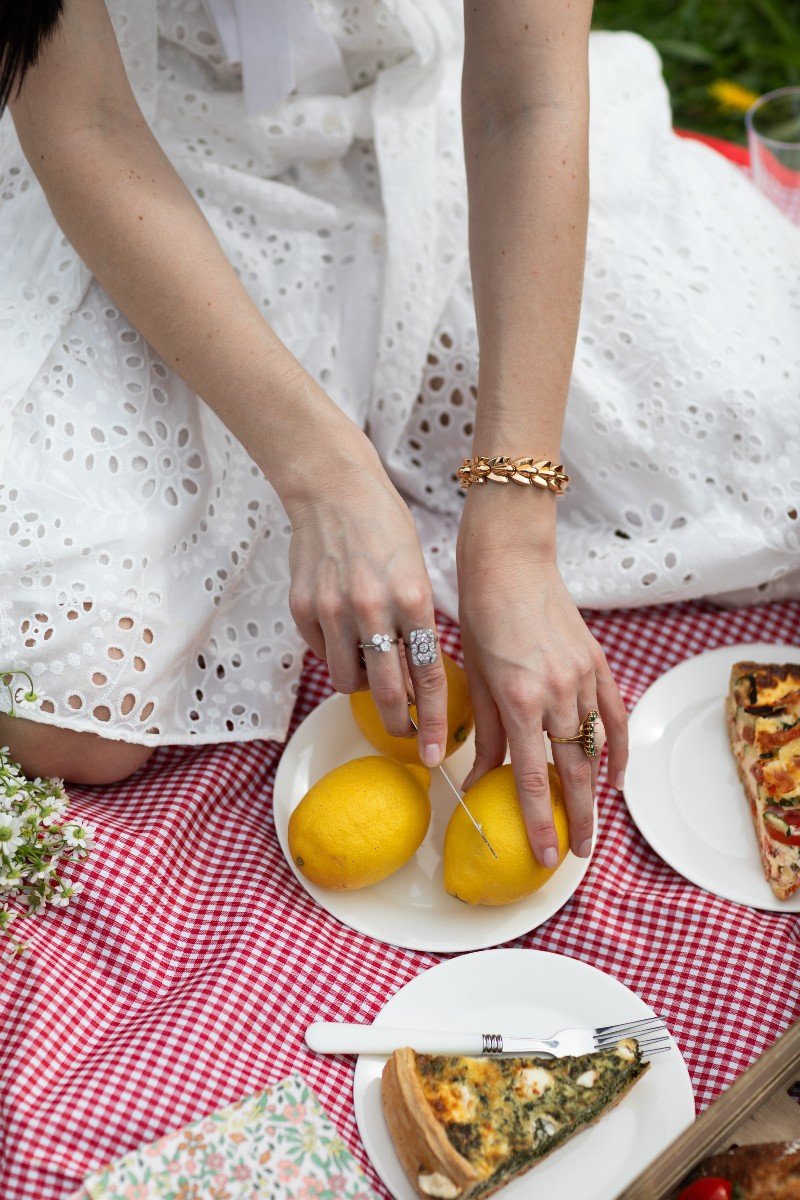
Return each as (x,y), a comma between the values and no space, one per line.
(455,790)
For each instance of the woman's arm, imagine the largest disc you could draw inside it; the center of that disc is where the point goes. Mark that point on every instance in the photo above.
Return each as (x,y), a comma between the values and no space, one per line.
(525,105)
(129,215)
(532,662)
(356,563)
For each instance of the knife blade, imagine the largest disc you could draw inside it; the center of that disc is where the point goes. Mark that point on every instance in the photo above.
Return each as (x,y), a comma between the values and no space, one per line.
(455,790)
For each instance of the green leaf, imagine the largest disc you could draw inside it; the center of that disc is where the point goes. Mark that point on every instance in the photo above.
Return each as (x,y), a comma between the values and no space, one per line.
(787,56)
(689,52)
(783,28)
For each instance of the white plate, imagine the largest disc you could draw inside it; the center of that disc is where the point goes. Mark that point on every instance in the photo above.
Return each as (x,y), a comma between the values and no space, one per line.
(681,784)
(528,992)
(410,908)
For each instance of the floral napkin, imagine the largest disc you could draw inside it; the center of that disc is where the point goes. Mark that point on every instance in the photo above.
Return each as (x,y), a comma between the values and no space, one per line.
(279,1144)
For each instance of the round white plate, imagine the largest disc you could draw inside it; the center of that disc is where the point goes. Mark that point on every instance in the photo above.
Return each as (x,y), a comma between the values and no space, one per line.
(681,785)
(410,908)
(528,992)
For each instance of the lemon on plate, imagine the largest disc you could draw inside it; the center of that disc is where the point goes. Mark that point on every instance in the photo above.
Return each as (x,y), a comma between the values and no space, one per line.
(360,822)
(460,718)
(471,873)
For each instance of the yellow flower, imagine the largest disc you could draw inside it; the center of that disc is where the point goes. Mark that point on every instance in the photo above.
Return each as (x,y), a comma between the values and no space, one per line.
(732,95)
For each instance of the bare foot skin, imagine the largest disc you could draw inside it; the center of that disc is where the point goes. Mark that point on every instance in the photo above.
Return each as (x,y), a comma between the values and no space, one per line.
(67,754)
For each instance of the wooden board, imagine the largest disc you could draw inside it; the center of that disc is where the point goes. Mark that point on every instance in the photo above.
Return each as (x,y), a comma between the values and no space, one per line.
(756,1108)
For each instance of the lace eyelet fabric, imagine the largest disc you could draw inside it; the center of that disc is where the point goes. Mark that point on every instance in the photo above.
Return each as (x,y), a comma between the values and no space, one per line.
(144,558)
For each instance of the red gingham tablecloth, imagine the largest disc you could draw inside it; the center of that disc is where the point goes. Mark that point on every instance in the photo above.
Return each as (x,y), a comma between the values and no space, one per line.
(185,974)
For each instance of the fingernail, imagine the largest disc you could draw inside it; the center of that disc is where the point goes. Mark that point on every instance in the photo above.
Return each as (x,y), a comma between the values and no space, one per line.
(550,858)
(585,848)
(620,784)
(431,754)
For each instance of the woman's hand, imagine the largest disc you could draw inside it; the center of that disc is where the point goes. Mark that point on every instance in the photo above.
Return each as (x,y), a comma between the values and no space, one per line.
(357,569)
(533,666)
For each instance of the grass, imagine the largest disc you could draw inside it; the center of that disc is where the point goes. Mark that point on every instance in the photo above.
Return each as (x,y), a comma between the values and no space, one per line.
(754,44)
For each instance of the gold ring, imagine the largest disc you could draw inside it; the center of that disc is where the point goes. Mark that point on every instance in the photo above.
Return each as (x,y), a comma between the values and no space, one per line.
(585,734)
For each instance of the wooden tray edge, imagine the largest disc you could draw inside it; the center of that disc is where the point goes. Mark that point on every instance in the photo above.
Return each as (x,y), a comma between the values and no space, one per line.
(777,1067)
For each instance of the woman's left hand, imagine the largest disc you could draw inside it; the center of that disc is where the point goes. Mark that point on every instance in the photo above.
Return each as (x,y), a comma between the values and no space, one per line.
(532,664)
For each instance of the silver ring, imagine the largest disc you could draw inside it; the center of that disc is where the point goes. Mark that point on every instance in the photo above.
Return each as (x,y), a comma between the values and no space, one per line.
(422,644)
(380,641)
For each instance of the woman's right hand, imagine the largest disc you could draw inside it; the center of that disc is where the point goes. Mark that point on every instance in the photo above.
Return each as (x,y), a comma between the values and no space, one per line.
(357,569)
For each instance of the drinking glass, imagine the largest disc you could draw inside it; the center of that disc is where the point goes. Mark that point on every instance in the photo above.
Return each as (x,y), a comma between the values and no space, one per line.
(773,134)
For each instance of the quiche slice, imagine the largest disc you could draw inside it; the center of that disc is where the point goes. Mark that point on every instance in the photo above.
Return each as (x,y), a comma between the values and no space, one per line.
(763,718)
(464,1127)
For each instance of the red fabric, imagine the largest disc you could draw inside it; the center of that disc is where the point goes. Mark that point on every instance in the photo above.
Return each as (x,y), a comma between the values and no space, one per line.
(185,975)
(738,154)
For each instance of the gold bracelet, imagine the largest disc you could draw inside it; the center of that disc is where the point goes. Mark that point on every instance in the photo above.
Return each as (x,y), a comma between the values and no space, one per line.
(525,471)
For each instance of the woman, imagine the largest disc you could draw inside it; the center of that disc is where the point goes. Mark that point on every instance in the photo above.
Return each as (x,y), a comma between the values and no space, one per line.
(295,373)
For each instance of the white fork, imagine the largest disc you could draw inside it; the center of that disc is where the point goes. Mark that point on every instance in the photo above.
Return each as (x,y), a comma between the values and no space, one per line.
(333,1037)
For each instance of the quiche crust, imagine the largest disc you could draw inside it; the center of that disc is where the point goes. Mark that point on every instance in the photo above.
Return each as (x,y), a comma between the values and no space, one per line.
(762,702)
(419,1138)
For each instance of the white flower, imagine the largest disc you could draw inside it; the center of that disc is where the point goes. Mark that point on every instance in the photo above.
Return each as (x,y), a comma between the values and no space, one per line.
(10,834)
(25,699)
(10,875)
(13,950)
(52,809)
(68,891)
(79,834)
(44,872)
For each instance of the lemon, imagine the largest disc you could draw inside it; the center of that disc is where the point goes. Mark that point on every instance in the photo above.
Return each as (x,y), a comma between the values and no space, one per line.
(471,873)
(360,822)
(460,718)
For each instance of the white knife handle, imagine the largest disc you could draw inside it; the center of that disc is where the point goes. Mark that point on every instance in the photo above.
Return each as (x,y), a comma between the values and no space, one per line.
(335,1037)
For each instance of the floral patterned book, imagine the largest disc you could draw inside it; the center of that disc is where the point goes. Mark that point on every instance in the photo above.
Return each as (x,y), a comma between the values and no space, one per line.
(279,1144)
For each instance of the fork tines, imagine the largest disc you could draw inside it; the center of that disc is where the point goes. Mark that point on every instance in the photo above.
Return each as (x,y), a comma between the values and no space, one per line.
(651,1034)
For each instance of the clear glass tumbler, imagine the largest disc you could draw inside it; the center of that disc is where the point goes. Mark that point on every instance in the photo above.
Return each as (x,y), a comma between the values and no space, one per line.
(773,133)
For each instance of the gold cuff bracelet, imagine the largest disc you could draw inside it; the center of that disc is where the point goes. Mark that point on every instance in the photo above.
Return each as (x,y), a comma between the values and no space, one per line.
(525,471)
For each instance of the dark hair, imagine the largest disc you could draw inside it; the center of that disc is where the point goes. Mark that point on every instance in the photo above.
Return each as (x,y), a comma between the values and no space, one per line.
(25,26)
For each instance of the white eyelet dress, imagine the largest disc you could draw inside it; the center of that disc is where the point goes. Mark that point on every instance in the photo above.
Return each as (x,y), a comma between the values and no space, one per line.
(143,556)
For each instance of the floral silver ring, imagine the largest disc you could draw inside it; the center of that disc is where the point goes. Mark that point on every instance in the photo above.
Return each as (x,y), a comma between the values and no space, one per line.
(422,644)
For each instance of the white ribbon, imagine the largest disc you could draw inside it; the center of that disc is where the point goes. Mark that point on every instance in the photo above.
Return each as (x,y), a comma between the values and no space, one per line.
(282,46)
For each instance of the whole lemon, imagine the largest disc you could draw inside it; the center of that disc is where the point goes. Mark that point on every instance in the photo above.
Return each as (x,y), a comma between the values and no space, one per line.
(470,872)
(360,822)
(460,718)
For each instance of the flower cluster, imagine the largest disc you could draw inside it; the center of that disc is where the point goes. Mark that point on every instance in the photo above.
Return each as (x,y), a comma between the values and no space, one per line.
(36,843)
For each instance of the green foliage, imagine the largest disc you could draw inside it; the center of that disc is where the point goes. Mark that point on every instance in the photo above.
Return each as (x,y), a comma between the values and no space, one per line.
(754,43)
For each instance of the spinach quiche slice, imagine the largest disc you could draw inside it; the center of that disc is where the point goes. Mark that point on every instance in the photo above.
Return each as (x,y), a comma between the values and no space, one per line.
(464,1127)
(763,719)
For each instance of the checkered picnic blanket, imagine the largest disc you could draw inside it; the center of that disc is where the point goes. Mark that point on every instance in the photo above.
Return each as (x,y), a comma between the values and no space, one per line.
(184,976)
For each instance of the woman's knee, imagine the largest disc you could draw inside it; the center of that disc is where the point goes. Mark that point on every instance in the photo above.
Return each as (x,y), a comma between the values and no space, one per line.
(75,757)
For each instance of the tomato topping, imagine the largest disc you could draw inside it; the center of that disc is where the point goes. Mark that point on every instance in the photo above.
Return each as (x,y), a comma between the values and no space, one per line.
(713,1188)
(790,820)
